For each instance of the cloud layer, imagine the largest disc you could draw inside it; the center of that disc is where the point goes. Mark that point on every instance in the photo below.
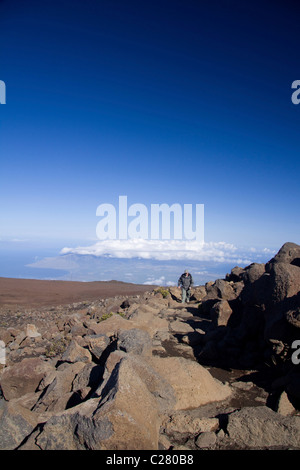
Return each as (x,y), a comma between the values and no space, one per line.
(166,250)
(148,261)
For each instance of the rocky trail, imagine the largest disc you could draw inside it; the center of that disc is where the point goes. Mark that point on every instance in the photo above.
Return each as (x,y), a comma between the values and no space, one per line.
(144,371)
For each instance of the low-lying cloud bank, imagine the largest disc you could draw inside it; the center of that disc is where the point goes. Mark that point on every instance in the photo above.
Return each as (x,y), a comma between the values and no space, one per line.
(152,262)
(166,250)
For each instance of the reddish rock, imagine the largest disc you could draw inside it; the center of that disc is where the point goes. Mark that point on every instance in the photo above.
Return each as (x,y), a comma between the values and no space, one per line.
(22,378)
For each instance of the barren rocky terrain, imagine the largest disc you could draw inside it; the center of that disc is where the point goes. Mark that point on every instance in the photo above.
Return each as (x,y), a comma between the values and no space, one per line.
(39,293)
(139,370)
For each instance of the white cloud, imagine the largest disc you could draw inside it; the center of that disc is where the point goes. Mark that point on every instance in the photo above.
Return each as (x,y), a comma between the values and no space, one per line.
(158,282)
(163,250)
(268,251)
(155,282)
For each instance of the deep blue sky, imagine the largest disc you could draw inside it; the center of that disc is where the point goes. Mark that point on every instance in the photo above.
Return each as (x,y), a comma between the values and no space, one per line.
(162,101)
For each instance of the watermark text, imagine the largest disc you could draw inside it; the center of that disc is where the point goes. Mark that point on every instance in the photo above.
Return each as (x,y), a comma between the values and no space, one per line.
(296,94)
(2,92)
(2,353)
(296,354)
(161,222)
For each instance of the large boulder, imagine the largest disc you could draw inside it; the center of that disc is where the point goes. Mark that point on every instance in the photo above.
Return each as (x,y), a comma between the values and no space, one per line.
(220,313)
(76,353)
(158,386)
(198,293)
(175,293)
(289,253)
(235,274)
(147,318)
(257,292)
(23,377)
(256,281)
(97,344)
(16,423)
(282,295)
(281,312)
(59,393)
(110,326)
(131,411)
(181,327)
(265,315)
(220,289)
(253,272)
(58,433)
(261,428)
(183,425)
(124,417)
(284,281)
(192,383)
(87,379)
(135,341)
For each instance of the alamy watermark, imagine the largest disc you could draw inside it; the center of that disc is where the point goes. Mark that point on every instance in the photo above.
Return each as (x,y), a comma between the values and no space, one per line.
(160,222)
(296,94)
(2,92)
(296,354)
(2,353)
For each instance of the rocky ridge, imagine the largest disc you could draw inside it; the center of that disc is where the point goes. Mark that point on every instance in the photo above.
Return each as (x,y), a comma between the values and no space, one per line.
(147,372)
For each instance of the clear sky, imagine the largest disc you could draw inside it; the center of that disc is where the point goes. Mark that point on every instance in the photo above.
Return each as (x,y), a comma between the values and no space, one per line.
(164,101)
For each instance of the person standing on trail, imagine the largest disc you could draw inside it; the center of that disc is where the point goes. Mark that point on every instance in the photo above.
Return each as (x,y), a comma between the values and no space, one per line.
(185,282)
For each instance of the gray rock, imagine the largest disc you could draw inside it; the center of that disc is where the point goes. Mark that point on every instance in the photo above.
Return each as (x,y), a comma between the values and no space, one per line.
(59,431)
(178,326)
(206,440)
(59,392)
(198,293)
(257,291)
(23,377)
(183,425)
(97,344)
(261,428)
(221,313)
(284,406)
(88,379)
(16,423)
(31,331)
(289,253)
(76,353)
(134,341)
(220,289)
(156,384)
(124,416)
(253,272)
(285,281)
(235,274)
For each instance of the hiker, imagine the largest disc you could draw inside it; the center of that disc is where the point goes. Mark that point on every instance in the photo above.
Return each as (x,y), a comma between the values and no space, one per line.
(185,282)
